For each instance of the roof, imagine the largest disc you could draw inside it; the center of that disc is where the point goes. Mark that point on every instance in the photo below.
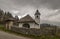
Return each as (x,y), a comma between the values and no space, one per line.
(37,12)
(9,19)
(27,18)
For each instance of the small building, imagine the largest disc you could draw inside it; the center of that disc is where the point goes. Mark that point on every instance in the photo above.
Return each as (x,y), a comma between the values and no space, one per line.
(9,23)
(29,22)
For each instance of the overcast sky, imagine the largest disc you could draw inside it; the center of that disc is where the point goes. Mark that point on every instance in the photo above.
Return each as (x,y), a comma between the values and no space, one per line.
(49,9)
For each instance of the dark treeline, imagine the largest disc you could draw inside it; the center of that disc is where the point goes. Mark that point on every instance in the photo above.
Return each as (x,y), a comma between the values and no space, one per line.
(6,15)
(47,25)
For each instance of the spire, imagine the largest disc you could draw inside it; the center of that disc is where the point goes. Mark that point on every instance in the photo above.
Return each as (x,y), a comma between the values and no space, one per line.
(37,12)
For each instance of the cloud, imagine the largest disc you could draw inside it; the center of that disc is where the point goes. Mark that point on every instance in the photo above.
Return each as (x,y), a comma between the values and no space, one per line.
(14,4)
(51,4)
(48,8)
(55,18)
(24,10)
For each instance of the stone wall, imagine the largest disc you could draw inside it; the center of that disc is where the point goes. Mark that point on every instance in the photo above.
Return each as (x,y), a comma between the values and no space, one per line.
(49,30)
(37,32)
(26,31)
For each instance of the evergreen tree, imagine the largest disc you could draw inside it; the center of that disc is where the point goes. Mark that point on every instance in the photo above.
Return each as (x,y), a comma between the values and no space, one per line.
(9,15)
(1,16)
(1,13)
(16,17)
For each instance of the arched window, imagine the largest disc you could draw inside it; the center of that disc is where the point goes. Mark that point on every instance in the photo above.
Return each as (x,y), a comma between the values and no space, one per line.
(26,25)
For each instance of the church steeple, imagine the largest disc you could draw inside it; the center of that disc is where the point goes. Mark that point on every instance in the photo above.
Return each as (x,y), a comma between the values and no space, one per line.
(37,16)
(37,12)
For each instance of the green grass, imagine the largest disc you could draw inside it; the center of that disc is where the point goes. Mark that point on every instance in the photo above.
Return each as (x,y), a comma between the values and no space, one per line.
(1,27)
(30,36)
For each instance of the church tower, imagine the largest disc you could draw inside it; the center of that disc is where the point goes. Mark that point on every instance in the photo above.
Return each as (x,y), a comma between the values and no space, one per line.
(37,17)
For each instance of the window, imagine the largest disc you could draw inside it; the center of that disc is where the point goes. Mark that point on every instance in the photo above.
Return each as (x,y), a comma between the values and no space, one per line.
(37,16)
(26,25)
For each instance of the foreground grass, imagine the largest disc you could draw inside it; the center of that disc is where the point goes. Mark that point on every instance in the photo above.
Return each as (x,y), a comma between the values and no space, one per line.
(30,36)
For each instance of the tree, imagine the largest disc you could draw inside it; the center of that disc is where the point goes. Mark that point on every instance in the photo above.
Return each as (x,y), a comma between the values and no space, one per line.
(16,17)
(1,16)
(1,13)
(7,15)
(16,20)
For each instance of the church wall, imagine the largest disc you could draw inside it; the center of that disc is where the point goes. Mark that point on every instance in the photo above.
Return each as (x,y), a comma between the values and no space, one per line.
(20,24)
(37,26)
(32,25)
(37,19)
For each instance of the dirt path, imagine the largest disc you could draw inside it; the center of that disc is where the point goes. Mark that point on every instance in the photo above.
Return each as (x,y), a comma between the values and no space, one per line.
(4,35)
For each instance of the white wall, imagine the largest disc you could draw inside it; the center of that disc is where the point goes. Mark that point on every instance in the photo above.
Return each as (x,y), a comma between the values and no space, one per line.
(37,26)
(10,24)
(37,19)
(20,25)
(32,25)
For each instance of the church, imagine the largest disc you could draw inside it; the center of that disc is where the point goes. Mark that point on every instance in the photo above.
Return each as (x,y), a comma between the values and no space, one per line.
(25,22)
(29,22)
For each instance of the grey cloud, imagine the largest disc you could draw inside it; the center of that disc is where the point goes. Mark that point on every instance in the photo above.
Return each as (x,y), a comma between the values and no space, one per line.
(25,2)
(15,4)
(51,4)
(54,14)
